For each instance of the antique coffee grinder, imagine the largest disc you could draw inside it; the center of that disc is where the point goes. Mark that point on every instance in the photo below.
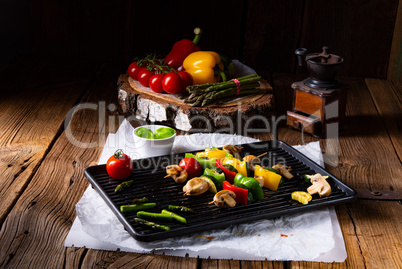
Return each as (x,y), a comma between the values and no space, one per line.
(319,99)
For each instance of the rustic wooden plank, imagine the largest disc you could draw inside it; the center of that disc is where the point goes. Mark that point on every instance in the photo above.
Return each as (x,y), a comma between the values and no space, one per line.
(347,28)
(263,264)
(74,257)
(117,259)
(100,259)
(367,156)
(43,214)
(395,61)
(377,227)
(387,96)
(371,233)
(32,114)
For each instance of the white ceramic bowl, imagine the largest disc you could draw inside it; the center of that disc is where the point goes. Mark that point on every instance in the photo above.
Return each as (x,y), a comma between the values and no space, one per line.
(153,147)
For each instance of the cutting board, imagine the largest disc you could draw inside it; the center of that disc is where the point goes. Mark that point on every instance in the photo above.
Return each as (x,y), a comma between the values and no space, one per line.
(231,115)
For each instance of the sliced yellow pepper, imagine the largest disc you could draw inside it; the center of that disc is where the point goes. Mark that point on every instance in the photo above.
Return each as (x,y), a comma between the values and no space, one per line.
(200,65)
(302,197)
(241,166)
(219,154)
(271,179)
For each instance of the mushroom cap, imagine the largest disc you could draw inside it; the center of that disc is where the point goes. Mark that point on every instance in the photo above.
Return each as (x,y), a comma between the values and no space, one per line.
(225,197)
(195,186)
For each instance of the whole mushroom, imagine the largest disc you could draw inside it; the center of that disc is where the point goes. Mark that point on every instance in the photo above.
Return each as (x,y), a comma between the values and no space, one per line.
(320,186)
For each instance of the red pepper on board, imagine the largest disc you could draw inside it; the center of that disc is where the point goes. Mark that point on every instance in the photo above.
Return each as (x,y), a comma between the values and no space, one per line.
(241,194)
(181,49)
(230,175)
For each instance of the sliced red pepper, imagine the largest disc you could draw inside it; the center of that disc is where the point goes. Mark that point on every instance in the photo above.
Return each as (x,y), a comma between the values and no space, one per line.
(230,175)
(241,194)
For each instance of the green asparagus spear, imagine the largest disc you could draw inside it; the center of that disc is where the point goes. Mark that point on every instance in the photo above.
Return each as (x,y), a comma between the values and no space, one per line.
(223,85)
(153,225)
(175,216)
(136,207)
(139,201)
(180,208)
(151,215)
(227,93)
(202,95)
(123,185)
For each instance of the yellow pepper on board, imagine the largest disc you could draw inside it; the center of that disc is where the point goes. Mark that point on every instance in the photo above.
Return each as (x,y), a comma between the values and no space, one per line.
(201,66)
(241,166)
(219,154)
(271,179)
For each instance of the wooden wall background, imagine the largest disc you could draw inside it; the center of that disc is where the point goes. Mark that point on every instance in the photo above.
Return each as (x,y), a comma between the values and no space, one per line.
(261,33)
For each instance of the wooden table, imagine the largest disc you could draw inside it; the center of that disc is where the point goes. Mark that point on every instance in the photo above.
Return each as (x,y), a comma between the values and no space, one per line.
(47,104)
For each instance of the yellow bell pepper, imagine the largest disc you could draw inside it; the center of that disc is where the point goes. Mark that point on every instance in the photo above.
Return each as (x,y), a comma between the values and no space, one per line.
(219,154)
(302,197)
(241,166)
(200,65)
(271,179)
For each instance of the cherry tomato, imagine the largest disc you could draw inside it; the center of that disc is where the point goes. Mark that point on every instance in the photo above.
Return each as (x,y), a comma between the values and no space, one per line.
(144,75)
(191,165)
(119,165)
(155,83)
(133,70)
(187,80)
(172,83)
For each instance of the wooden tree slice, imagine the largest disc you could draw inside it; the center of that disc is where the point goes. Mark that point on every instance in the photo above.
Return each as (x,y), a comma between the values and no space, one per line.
(231,115)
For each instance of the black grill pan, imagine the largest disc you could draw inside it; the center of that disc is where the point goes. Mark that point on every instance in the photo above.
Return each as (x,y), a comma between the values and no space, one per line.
(149,173)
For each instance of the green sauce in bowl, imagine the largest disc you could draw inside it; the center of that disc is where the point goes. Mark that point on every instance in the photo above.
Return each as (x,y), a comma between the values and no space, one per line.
(160,133)
(164,132)
(144,133)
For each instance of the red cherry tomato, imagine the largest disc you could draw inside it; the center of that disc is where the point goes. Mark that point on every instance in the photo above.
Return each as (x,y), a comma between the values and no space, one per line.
(133,70)
(187,80)
(155,83)
(192,166)
(172,83)
(144,75)
(119,165)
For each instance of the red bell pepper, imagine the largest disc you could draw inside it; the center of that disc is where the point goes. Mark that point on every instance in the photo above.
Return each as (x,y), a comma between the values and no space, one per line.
(181,49)
(230,175)
(241,194)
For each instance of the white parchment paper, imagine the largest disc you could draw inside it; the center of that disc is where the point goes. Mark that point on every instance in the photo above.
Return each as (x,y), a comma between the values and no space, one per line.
(311,236)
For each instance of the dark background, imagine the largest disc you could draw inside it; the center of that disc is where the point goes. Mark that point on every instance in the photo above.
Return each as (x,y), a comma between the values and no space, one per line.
(262,34)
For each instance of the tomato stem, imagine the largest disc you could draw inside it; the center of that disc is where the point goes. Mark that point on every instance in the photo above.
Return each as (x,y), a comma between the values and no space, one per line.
(118,154)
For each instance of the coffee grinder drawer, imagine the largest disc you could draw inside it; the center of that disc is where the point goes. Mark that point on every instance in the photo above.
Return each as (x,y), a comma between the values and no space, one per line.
(304,122)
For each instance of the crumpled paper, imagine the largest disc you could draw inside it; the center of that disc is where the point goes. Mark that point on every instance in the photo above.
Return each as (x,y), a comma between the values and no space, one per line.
(305,236)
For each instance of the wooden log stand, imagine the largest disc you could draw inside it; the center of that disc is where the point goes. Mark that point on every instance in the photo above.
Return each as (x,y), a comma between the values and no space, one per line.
(228,116)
